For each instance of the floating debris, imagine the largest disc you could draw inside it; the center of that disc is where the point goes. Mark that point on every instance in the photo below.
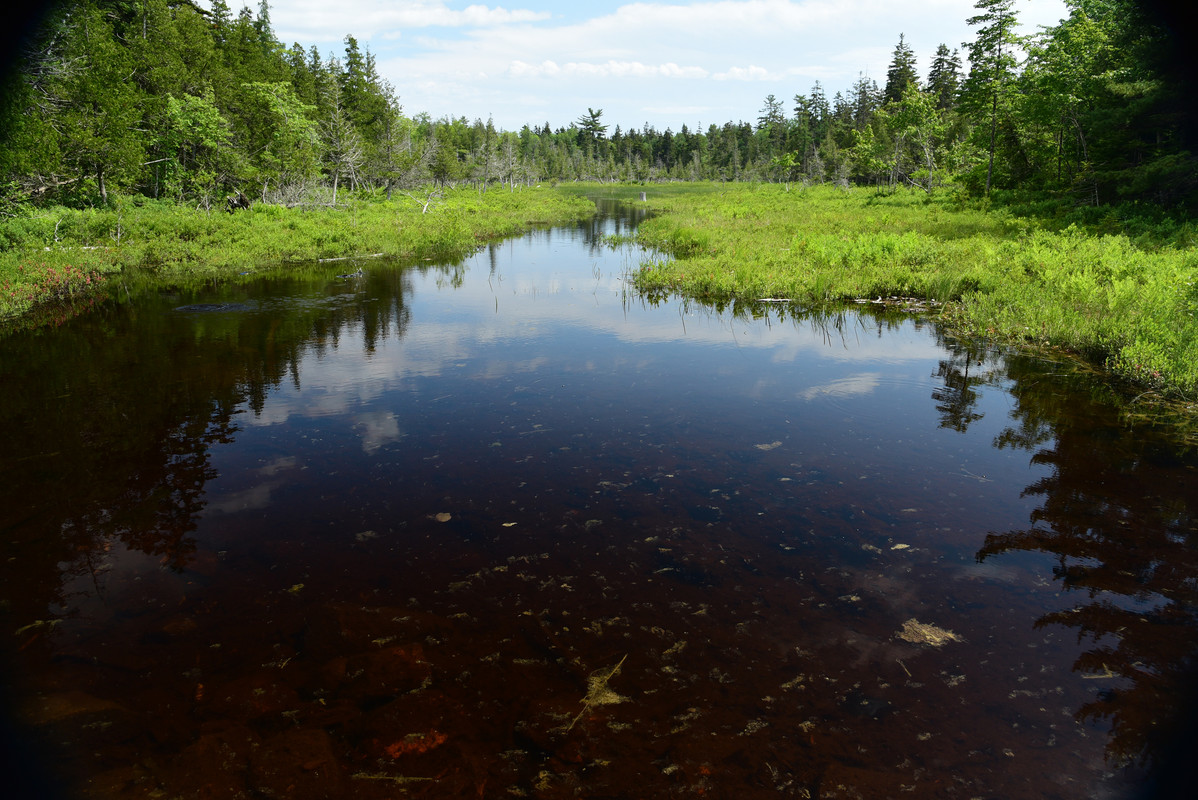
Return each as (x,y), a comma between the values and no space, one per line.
(598,692)
(416,743)
(48,623)
(769,446)
(922,633)
(444,516)
(382,776)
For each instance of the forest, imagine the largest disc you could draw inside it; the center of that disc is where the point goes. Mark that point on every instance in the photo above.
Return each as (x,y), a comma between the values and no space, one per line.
(165,99)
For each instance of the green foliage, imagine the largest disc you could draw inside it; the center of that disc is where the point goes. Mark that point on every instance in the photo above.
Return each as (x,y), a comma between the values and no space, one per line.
(195,139)
(159,99)
(285,146)
(1124,305)
(902,73)
(944,78)
(59,253)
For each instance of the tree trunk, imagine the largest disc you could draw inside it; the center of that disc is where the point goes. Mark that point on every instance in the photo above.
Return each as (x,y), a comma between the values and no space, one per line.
(993,129)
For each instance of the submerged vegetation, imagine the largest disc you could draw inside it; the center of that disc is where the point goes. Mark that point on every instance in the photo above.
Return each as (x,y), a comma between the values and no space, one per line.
(1123,295)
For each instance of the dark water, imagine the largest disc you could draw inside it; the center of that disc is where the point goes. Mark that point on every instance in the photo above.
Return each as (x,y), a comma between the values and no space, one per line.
(503,528)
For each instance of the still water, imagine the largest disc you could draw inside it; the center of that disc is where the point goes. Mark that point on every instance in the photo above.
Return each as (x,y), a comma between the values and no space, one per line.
(505,528)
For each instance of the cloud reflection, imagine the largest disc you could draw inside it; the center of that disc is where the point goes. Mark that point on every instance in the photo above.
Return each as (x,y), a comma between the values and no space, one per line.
(376,428)
(865,383)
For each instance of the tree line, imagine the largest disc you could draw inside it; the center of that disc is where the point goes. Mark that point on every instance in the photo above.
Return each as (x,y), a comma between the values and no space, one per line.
(165,99)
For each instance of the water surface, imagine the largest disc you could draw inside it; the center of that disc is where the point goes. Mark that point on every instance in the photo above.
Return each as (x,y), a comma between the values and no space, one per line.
(503,528)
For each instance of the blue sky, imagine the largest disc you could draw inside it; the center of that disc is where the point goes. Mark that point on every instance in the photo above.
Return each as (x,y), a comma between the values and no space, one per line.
(665,63)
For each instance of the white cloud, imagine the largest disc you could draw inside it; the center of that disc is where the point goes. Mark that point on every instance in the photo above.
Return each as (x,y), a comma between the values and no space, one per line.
(518,69)
(321,21)
(749,73)
(452,59)
(608,69)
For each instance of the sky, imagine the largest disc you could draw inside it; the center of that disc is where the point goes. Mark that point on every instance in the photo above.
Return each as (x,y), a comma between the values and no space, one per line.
(662,63)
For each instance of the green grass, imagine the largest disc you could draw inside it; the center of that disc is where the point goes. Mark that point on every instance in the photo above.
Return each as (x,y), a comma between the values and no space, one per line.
(1117,287)
(57,255)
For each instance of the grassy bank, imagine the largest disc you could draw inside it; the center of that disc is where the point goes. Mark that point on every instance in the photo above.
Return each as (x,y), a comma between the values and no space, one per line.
(1126,303)
(57,254)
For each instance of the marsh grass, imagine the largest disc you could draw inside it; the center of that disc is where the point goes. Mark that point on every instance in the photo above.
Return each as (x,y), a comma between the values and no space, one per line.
(172,242)
(1118,288)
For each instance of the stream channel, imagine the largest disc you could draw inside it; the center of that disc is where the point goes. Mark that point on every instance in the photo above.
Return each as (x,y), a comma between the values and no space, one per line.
(505,528)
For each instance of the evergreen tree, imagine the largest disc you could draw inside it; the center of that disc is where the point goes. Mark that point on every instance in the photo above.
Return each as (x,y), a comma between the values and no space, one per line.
(944,77)
(589,126)
(771,113)
(357,85)
(821,112)
(865,100)
(902,72)
(992,66)
(771,125)
(222,20)
(98,106)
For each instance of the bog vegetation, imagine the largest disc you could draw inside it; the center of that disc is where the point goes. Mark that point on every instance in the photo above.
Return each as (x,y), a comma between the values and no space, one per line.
(1122,293)
(130,128)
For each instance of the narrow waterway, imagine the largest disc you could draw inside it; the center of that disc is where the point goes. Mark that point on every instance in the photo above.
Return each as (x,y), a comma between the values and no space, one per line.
(503,527)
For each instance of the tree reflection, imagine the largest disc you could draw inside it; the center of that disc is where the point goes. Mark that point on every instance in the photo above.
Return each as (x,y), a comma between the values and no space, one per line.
(1117,512)
(108,439)
(962,372)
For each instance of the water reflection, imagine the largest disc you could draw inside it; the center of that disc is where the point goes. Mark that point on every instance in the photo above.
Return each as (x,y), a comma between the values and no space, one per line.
(109,438)
(354,528)
(958,397)
(1119,524)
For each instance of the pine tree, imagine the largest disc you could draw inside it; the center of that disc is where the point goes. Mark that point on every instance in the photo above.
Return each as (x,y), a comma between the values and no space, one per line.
(589,127)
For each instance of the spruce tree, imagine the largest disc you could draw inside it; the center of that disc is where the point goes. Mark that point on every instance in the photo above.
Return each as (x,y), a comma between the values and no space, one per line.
(821,112)
(944,77)
(865,101)
(902,72)
(991,65)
